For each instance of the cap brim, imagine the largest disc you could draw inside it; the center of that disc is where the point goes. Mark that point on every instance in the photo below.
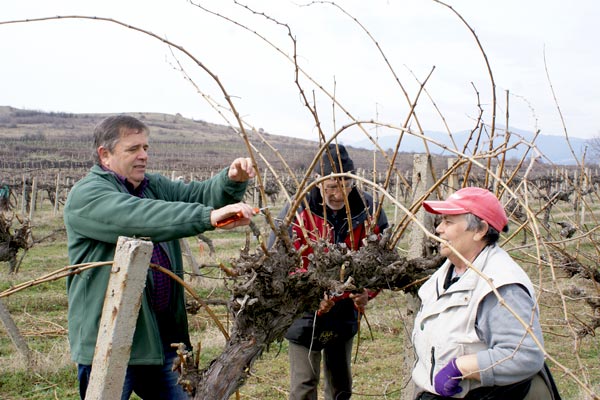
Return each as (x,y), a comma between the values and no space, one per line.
(443,207)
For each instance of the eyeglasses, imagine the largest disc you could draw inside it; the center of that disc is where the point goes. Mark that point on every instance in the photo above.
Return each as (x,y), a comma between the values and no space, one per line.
(332,188)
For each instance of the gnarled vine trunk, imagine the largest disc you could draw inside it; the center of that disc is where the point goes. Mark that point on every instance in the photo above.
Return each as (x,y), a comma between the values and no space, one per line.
(268,296)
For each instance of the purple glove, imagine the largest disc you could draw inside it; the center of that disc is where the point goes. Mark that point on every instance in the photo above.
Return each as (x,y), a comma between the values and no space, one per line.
(447,381)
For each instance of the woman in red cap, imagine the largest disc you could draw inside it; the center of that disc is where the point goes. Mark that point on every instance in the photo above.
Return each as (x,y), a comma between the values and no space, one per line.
(467,343)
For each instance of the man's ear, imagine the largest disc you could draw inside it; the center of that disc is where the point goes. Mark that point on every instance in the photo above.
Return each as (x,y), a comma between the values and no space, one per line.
(316,177)
(103,154)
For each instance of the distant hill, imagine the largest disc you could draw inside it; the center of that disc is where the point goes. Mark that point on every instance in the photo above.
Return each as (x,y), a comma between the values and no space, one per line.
(39,141)
(36,140)
(554,149)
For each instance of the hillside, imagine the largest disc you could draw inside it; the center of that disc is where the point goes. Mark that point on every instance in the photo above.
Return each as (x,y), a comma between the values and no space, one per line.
(35,142)
(39,140)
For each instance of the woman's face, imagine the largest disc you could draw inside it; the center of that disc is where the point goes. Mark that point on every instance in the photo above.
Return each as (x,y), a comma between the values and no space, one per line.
(453,229)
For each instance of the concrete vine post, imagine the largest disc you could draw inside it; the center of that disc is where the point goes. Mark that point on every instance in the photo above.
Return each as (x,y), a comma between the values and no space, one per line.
(186,251)
(24,197)
(453,184)
(119,316)
(13,332)
(33,198)
(56,195)
(421,182)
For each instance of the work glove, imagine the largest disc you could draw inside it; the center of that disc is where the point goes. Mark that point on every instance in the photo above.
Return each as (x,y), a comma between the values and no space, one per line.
(447,381)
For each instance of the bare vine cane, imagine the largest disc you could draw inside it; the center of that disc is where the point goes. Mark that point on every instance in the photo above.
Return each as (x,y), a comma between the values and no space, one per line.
(358,340)
(242,131)
(412,103)
(52,276)
(189,289)
(300,71)
(547,246)
(488,66)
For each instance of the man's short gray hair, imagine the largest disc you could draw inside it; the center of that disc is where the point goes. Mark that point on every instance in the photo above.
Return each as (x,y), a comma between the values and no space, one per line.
(108,132)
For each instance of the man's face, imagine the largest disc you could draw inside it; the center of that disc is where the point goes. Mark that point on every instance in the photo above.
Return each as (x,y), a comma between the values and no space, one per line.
(129,157)
(334,191)
(453,229)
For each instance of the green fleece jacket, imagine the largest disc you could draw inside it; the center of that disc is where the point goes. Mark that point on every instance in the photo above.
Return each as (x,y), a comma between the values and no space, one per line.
(99,210)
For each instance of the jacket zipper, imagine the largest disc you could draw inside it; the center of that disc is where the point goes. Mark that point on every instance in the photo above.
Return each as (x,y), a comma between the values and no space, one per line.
(432,365)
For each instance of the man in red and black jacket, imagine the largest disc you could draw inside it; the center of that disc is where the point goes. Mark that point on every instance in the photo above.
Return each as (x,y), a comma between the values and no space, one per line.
(327,333)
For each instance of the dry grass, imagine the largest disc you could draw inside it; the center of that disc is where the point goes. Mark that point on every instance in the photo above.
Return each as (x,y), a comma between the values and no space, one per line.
(40,313)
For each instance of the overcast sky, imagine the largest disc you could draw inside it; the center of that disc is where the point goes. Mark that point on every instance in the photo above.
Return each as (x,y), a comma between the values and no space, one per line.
(91,66)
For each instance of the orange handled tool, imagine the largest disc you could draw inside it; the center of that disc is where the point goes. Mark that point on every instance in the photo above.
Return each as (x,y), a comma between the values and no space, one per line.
(236,216)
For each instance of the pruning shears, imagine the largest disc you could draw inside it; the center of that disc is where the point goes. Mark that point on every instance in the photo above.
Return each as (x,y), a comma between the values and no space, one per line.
(237,216)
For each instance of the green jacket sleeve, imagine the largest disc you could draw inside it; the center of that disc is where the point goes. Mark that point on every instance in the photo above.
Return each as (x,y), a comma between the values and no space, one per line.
(98,207)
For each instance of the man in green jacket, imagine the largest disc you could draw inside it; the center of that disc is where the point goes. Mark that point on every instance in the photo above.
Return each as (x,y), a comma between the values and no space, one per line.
(118,198)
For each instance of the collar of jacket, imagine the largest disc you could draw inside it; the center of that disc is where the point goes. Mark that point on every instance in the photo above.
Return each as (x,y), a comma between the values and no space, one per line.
(139,191)
(469,278)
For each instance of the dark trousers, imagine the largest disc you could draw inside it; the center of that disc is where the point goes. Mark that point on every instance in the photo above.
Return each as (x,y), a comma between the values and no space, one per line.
(150,382)
(516,391)
(305,369)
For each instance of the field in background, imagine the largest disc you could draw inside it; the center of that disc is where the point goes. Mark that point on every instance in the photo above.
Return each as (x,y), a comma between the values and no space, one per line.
(40,313)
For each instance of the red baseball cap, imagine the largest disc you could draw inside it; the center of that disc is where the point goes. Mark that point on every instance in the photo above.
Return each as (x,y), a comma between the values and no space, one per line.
(474,200)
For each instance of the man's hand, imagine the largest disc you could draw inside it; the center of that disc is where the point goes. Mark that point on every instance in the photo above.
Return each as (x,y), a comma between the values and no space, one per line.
(360,300)
(232,210)
(447,381)
(241,170)
(325,306)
